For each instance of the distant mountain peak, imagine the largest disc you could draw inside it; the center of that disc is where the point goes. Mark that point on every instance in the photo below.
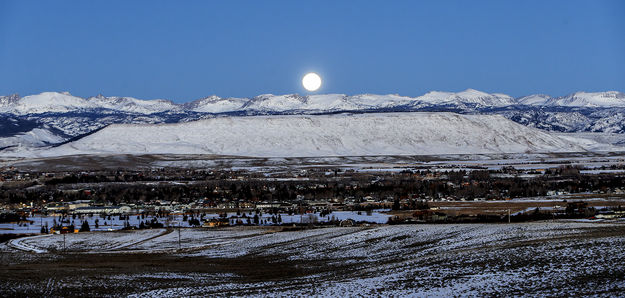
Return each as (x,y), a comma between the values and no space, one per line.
(535,99)
(590,99)
(469,99)
(469,96)
(473,91)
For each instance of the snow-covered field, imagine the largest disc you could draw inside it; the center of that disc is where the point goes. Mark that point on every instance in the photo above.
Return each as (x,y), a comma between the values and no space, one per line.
(280,166)
(528,259)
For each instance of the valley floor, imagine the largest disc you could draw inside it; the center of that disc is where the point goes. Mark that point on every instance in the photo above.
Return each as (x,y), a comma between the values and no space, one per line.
(558,258)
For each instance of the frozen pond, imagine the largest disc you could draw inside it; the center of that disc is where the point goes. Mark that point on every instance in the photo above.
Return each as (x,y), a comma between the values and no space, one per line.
(34,223)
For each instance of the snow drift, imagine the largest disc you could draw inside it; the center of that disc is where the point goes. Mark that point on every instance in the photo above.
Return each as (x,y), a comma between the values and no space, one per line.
(324,135)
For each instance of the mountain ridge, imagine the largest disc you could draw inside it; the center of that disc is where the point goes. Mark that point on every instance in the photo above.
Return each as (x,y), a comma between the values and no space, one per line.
(59,102)
(49,117)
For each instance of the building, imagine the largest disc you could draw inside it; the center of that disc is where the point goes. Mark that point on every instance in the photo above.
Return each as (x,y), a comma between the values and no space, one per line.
(78,204)
(216,222)
(103,210)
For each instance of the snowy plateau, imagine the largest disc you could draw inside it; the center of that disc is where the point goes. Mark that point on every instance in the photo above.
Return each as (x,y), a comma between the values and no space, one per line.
(319,124)
(323,135)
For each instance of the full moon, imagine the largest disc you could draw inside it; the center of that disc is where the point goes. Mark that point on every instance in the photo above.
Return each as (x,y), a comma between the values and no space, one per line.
(311,81)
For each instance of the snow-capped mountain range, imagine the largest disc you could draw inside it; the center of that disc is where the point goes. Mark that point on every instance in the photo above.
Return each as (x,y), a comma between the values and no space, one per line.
(55,102)
(53,117)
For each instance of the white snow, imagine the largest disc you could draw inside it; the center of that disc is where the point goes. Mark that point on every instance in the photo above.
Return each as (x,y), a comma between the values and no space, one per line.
(324,135)
(133,105)
(20,244)
(590,99)
(577,99)
(469,96)
(215,104)
(48,102)
(35,138)
(268,103)
(535,99)
(55,102)
(525,259)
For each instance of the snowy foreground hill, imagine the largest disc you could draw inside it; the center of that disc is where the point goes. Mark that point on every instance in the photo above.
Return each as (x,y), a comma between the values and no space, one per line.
(324,135)
(534,259)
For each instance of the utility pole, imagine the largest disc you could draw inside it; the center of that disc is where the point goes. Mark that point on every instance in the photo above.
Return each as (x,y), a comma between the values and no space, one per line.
(301,213)
(508,215)
(179,245)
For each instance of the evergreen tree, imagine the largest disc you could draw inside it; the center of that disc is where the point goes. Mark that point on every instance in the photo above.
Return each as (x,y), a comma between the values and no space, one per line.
(85,227)
(396,204)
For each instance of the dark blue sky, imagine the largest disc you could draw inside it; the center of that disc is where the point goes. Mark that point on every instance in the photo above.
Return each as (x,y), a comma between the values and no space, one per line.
(184,50)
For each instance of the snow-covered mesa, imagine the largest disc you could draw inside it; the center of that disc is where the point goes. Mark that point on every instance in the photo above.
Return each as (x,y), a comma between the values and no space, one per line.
(324,135)
(52,118)
(55,102)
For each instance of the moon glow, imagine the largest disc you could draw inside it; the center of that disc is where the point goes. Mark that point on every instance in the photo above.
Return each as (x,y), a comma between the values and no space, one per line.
(311,81)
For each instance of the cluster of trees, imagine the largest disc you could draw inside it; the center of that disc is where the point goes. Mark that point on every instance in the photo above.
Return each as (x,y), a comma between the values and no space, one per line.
(11,217)
(151,224)
(412,204)
(458,184)
(255,217)
(149,175)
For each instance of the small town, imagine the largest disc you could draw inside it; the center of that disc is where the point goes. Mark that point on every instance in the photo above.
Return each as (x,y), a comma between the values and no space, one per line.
(110,200)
